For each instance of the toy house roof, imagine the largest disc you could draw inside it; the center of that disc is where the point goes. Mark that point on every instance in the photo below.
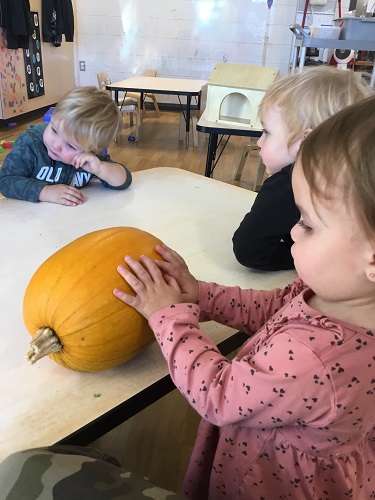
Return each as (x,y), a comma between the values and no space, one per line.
(243,76)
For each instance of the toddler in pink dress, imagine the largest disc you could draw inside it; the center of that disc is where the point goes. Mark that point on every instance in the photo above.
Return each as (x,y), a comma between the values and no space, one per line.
(292,415)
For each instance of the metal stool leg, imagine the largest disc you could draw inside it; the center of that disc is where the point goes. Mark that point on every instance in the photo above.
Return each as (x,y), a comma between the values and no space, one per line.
(156,105)
(194,121)
(246,150)
(182,127)
(259,177)
(193,129)
(137,120)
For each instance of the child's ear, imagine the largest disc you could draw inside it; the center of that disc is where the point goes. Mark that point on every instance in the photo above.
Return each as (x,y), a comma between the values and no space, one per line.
(306,133)
(371,275)
(370,268)
(297,143)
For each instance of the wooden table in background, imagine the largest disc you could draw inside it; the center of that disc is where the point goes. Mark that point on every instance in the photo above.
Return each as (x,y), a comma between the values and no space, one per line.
(46,403)
(157,85)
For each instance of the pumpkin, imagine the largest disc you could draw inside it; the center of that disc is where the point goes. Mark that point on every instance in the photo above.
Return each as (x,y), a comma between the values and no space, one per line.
(69,307)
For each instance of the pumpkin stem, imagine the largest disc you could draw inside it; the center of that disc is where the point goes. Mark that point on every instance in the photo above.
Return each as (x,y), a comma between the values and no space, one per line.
(44,342)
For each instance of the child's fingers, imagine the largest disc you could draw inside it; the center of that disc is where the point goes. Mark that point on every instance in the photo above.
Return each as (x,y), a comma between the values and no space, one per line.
(164,267)
(167,253)
(146,271)
(139,271)
(125,297)
(76,162)
(152,269)
(172,282)
(171,257)
(129,277)
(163,251)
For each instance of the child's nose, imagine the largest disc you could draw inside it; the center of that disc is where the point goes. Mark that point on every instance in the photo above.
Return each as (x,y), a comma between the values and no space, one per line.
(293,232)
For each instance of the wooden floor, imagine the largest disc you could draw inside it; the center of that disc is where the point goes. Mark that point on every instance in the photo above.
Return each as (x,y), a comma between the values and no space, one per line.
(159,145)
(158,441)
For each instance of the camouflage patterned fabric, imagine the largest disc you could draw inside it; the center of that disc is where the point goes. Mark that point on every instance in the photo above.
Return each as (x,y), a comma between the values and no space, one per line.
(72,473)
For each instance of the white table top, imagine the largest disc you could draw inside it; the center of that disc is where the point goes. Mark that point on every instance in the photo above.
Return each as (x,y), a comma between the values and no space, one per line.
(196,216)
(157,85)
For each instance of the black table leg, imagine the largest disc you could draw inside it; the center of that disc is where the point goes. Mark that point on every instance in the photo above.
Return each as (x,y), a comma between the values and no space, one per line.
(211,154)
(188,105)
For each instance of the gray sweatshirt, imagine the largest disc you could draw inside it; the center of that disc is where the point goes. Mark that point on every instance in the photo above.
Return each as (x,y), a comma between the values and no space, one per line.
(28,168)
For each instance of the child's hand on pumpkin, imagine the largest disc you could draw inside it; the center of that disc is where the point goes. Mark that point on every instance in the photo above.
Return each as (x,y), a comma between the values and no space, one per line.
(174,266)
(153,290)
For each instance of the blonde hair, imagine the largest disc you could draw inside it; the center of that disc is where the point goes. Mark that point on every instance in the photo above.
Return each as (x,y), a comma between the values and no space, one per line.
(90,117)
(340,154)
(308,98)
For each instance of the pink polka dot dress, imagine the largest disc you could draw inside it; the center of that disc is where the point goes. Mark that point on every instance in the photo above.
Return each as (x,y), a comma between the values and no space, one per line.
(292,415)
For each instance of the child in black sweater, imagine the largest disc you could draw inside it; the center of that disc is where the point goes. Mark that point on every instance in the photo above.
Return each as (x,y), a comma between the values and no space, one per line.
(290,109)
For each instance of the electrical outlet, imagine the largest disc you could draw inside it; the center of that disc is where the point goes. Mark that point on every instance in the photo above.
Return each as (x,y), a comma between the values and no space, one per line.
(82,65)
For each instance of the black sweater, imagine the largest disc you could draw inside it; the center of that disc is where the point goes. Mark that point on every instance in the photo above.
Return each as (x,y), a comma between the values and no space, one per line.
(263,239)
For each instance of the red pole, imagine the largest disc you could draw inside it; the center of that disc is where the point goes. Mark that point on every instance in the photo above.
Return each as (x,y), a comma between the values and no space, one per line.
(304,13)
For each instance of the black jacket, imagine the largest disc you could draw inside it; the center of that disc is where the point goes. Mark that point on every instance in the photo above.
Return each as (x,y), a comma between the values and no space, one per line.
(263,239)
(54,27)
(15,18)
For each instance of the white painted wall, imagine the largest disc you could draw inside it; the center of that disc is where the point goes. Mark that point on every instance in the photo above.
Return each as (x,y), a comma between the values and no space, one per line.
(179,38)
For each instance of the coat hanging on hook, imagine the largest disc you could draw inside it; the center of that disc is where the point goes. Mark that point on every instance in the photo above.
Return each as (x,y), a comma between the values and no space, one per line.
(57,20)
(15,18)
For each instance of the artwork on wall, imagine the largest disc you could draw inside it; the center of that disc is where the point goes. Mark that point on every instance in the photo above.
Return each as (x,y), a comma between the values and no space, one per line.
(12,80)
(33,62)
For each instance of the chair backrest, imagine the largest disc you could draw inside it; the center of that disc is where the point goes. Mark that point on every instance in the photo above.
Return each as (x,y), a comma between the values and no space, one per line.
(150,72)
(127,104)
(103,79)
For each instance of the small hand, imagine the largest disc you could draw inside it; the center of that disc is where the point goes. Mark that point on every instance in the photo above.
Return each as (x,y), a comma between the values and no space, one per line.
(153,290)
(62,194)
(87,161)
(174,266)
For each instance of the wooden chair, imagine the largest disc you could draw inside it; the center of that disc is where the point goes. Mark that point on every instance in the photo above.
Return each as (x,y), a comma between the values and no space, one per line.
(103,80)
(151,72)
(261,167)
(126,104)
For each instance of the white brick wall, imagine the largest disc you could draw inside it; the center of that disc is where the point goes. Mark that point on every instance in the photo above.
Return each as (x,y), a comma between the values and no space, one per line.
(180,38)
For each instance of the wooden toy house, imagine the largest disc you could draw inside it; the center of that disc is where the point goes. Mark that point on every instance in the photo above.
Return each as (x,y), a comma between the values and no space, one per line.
(234,93)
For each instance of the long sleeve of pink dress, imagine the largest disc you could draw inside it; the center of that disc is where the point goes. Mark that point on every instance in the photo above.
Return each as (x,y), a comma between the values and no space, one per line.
(292,415)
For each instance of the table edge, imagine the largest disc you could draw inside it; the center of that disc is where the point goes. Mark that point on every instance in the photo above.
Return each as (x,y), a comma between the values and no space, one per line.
(227,130)
(116,416)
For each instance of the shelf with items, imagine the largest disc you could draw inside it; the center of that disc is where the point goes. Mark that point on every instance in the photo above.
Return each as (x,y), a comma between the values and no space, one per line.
(302,40)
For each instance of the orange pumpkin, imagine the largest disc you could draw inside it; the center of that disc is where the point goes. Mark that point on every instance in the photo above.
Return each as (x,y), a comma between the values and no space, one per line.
(69,307)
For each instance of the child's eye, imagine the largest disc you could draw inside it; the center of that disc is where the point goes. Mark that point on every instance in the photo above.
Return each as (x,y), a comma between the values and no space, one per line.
(53,129)
(70,146)
(304,226)
(265,131)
